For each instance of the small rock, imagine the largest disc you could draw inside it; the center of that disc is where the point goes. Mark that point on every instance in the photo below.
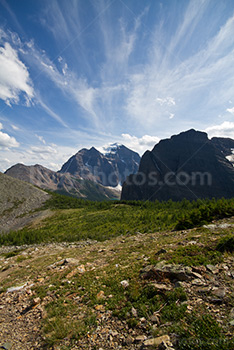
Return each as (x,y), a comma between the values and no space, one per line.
(231,315)
(220,292)
(14,289)
(124,283)
(231,322)
(216,301)
(70,261)
(81,269)
(210,226)
(134,312)
(197,275)
(128,341)
(161,286)
(155,319)
(171,271)
(179,284)
(198,282)
(204,290)
(36,301)
(192,242)
(101,295)
(164,346)
(114,333)
(213,269)
(154,342)
(100,308)
(140,338)
(72,273)
(199,269)
(7,346)
(161,251)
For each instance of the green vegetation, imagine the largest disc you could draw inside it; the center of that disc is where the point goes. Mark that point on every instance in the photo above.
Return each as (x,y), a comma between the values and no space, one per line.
(226,244)
(202,333)
(77,219)
(74,302)
(205,211)
(195,255)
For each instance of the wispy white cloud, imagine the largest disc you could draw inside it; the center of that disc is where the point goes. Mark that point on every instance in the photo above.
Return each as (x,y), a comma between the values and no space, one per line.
(73,87)
(194,82)
(185,30)
(43,150)
(121,91)
(170,101)
(226,129)
(14,77)
(41,139)
(230,110)
(6,5)
(49,111)
(15,127)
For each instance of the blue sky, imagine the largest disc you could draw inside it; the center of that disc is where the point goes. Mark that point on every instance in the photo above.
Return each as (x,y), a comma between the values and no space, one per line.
(82,73)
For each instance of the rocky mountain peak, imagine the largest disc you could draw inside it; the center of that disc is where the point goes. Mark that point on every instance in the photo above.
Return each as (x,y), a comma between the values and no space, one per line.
(188,165)
(89,173)
(108,169)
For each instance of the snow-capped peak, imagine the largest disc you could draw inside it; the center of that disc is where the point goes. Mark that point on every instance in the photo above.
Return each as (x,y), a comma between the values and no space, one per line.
(110,148)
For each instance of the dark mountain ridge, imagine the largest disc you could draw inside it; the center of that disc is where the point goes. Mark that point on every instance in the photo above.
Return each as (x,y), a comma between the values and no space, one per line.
(188,165)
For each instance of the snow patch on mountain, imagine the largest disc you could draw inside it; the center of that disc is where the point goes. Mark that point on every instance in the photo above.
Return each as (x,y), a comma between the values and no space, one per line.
(110,148)
(231,157)
(117,188)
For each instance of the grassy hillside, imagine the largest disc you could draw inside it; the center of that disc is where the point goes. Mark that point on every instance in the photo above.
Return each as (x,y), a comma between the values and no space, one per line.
(117,275)
(105,295)
(75,219)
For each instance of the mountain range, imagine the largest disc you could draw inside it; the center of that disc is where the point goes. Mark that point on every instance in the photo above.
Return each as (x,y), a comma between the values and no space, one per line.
(87,174)
(188,165)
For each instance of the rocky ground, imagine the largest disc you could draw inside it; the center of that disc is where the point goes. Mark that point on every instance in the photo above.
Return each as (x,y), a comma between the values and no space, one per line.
(59,296)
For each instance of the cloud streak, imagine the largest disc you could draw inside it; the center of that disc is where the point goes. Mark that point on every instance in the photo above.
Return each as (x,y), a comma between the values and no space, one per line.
(115,70)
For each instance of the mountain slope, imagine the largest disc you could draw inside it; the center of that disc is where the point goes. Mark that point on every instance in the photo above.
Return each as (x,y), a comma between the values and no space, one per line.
(187,165)
(62,183)
(17,199)
(226,146)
